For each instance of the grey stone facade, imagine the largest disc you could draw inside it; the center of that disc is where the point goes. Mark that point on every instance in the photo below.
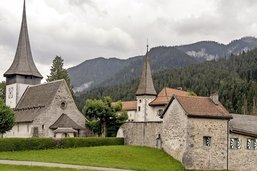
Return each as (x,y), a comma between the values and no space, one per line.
(242,159)
(197,154)
(142,133)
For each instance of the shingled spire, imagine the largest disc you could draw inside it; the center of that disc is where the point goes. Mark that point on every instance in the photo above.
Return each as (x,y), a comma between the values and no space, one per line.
(23,64)
(146,86)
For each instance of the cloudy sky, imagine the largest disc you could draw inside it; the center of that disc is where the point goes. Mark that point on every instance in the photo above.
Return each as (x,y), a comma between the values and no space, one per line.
(79,30)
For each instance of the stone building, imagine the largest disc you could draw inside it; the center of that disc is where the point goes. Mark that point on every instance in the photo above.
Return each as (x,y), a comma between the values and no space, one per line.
(42,110)
(197,131)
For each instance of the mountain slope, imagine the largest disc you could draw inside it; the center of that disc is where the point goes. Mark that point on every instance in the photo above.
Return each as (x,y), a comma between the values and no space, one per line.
(209,50)
(101,71)
(92,72)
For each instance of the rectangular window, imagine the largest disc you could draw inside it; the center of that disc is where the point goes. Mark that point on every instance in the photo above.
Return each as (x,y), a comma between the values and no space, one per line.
(18,128)
(235,143)
(251,144)
(207,141)
(138,108)
(27,127)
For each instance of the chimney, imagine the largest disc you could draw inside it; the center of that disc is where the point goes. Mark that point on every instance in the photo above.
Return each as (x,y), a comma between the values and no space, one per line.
(215,98)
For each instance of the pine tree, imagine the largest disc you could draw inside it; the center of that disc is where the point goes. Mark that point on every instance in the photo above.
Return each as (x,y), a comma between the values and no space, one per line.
(58,72)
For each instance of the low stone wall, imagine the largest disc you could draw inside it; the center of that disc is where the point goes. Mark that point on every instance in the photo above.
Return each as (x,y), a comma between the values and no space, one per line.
(142,133)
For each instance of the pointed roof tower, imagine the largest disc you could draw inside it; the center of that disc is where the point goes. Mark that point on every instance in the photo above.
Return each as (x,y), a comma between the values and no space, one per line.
(23,63)
(146,86)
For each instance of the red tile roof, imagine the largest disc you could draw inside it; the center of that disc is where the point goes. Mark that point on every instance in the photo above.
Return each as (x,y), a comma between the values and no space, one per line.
(165,95)
(203,107)
(129,105)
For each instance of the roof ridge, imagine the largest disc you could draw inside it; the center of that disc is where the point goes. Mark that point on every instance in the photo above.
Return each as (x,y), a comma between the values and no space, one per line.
(51,82)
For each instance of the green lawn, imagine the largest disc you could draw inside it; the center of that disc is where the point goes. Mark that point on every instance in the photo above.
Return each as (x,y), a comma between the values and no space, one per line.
(32,168)
(126,157)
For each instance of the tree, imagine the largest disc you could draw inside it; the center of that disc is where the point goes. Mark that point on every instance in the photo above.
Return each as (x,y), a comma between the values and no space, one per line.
(104,118)
(6,118)
(2,90)
(58,72)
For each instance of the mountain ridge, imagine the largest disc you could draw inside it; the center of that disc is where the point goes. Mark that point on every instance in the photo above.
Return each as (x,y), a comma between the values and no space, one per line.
(109,71)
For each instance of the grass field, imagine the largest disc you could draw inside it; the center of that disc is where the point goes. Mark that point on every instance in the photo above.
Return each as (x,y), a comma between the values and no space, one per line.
(126,157)
(31,168)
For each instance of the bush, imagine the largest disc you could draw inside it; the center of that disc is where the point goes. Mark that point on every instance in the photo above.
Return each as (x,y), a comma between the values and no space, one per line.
(88,142)
(20,144)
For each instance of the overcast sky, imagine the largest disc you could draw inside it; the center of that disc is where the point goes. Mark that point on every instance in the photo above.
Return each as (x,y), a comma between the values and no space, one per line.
(84,29)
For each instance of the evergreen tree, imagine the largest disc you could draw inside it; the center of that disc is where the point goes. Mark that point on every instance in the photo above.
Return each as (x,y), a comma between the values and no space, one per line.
(6,118)
(58,72)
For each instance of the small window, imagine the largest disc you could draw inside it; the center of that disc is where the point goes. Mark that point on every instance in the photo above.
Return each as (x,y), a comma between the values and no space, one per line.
(159,112)
(207,141)
(251,144)
(235,143)
(139,108)
(27,127)
(18,128)
(140,100)
(43,126)
(63,105)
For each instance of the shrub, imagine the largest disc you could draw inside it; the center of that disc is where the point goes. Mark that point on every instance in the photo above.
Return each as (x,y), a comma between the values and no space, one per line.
(88,142)
(20,144)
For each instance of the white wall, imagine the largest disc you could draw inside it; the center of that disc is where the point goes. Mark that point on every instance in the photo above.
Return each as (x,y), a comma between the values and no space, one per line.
(145,110)
(20,130)
(17,91)
(131,115)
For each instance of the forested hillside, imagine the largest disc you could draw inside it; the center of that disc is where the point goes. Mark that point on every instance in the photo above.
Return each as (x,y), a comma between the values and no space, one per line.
(235,78)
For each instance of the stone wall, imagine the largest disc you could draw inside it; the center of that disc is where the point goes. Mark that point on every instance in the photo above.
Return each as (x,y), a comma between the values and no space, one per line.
(142,133)
(174,131)
(242,159)
(200,156)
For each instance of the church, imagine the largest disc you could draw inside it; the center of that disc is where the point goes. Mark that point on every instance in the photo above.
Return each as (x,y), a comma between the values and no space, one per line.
(197,131)
(41,110)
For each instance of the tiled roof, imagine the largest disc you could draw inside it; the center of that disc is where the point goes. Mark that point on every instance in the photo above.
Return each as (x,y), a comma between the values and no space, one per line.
(23,63)
(129,105)
(35,99)
(244,124)
(64,121)
(165,95)
(202,107)
(146,86)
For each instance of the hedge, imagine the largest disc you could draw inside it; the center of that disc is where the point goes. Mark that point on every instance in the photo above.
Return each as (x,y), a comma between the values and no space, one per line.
(20,144)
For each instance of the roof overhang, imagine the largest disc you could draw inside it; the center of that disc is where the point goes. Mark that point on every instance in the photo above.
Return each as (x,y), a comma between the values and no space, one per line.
(209,116)
(243,132)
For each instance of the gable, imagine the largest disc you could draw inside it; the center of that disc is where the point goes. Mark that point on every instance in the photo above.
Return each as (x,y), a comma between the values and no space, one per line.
(201,107)
(39,95)
(165,95)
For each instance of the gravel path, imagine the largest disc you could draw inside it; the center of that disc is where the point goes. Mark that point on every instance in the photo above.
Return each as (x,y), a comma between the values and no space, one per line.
(44,164)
